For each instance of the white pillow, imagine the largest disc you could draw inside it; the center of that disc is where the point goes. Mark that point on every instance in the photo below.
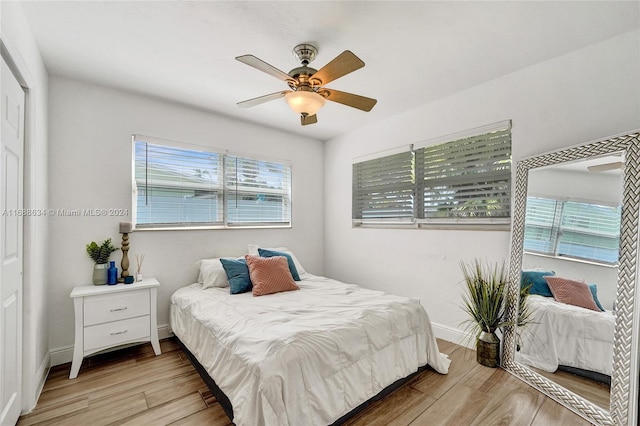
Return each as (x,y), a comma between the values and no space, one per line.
(212,274)
(253,250)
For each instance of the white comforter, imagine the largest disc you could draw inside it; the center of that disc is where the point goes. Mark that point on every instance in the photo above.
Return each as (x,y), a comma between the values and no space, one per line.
(303,357)
(561,334)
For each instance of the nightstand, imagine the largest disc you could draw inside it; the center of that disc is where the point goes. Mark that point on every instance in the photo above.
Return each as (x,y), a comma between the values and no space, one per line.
(112,315)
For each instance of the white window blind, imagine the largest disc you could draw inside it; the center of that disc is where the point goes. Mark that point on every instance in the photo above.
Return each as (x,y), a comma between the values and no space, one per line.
(465,179)
(540,224)
(258,192)
(178,186)
(383,189)
(580,230)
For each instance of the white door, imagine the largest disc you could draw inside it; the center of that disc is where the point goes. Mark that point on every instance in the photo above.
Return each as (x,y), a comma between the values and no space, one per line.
(11,165)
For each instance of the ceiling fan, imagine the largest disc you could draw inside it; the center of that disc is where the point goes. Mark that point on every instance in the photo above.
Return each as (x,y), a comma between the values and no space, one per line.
(308,92)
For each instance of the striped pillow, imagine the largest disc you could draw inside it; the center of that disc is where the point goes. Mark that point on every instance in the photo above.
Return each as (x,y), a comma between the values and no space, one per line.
(572,292)
(270,275)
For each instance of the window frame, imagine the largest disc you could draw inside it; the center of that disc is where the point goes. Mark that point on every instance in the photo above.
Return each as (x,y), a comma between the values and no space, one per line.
(222,187)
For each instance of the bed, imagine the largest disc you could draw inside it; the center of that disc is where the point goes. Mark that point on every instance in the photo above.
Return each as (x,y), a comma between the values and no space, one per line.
(304,357)
(560,335)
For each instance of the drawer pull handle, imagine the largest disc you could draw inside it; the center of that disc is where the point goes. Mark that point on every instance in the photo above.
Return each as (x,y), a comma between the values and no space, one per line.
(119,309)
(119,332)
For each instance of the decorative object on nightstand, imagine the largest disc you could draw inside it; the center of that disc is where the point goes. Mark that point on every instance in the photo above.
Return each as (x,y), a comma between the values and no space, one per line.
(112,273)
(110,316)
(100,255)
(139,260)
(125,229)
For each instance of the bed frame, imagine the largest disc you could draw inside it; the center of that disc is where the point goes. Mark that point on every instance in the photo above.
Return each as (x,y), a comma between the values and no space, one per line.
(228,409)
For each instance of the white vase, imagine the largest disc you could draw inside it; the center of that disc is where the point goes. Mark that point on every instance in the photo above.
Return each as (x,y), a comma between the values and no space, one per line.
(100,273)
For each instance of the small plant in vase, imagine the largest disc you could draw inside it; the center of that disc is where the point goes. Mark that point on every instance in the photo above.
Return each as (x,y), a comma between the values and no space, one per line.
(100,254)
(485,286)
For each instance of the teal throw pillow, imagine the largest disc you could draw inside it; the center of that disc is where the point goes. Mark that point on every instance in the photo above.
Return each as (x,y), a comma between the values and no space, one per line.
(537,282)
(238,275)
(594,293)
(292,266)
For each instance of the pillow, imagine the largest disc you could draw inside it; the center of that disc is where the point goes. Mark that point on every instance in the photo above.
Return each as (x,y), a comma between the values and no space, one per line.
(537,282)
(270,275)
(271,253)
(238,275)
(594,292)
(212,274)
(572,292)
(253,250)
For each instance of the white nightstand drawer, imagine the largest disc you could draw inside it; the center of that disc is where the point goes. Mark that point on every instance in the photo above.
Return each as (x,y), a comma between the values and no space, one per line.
(114,307)
(115,333)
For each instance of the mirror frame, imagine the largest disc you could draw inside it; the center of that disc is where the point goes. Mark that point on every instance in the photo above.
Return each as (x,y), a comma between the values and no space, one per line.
(624,379)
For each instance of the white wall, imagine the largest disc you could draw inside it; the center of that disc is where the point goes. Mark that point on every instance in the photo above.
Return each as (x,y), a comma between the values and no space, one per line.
(90,167)
(578,97)
(20,49)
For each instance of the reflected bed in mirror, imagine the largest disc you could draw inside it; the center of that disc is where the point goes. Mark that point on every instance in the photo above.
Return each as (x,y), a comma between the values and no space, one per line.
(574,244)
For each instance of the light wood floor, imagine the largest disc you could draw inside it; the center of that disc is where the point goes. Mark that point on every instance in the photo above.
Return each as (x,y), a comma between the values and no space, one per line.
(134,387)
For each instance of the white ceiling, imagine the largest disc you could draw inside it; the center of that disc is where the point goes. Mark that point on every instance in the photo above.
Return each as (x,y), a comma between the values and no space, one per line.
(415,52)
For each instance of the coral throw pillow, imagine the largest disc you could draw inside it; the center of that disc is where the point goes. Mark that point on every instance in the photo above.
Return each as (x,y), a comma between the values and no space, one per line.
(270,275)
(572,292)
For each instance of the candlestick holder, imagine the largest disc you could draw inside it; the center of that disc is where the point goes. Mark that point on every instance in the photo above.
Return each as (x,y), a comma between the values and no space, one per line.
(125,259)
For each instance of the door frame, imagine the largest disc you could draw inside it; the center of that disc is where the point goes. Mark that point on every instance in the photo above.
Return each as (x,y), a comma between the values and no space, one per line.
(32,379)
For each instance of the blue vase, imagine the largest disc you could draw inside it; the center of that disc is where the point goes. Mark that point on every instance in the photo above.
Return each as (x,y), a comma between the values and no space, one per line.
(112,273)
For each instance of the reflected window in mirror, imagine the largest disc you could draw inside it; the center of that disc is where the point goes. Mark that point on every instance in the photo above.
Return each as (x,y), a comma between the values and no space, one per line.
(571,229)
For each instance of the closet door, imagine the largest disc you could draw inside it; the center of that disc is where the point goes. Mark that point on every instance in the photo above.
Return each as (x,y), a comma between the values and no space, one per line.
(12,101)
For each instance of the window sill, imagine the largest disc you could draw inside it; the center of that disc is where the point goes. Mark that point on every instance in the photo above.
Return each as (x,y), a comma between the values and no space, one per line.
(571,259)
(208,228)
(457,226)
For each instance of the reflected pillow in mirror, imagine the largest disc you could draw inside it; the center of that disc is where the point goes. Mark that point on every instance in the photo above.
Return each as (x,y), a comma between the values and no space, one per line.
(594,293)
(572,292)
(537,282)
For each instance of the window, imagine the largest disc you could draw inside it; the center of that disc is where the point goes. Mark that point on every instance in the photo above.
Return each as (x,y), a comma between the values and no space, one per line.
(464,181)
(383,188)
(572,229)
(178,186)
(258,192)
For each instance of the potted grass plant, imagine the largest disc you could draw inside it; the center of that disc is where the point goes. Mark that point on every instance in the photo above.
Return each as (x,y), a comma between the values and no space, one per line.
(100,254)
(484,302)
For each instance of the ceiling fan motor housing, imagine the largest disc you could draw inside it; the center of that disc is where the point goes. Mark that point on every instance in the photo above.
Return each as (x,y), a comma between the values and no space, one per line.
(305,53)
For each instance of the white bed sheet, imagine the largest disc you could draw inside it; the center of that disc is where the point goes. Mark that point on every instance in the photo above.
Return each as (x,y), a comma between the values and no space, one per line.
(268,356)
(561,334)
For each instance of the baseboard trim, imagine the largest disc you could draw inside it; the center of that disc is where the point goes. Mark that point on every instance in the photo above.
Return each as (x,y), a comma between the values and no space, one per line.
(452,334)
(64,354)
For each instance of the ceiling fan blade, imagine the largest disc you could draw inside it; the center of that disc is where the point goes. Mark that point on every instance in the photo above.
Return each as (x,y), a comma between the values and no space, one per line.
(342,64)
(308,119)
(264,67)
(606,167)
(262,99)
(349,99)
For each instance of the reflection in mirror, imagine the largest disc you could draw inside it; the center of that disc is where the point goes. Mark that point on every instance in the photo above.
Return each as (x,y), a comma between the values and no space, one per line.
(574,243)
(572,233)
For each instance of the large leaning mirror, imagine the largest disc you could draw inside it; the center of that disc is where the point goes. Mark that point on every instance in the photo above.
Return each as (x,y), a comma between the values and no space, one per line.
(574,247)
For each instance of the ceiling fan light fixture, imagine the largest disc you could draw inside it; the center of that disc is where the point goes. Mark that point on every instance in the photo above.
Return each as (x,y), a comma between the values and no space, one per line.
(304,102)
